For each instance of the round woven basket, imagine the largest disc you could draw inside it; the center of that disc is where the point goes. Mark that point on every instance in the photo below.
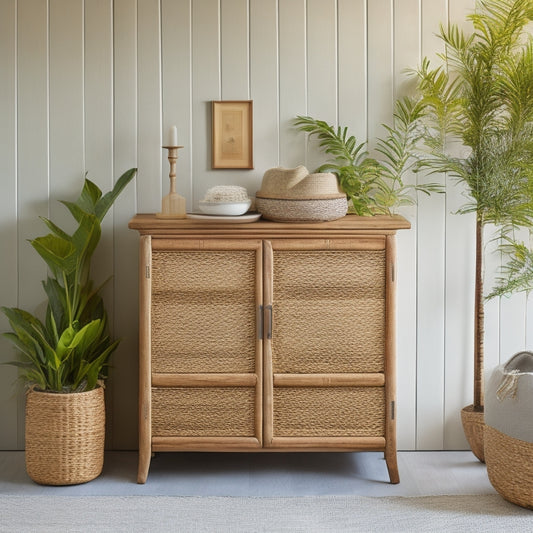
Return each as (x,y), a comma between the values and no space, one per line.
(510,466)
(290,210)
(474,427)
(65,435)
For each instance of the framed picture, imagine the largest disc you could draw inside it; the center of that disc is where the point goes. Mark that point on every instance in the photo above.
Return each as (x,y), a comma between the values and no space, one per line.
(232,143)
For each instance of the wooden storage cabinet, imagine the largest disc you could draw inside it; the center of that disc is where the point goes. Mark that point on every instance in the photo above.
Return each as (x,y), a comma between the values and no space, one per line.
(267,336)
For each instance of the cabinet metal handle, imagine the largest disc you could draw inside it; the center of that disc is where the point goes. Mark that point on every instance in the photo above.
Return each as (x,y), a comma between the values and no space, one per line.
(268,309)
(260,322)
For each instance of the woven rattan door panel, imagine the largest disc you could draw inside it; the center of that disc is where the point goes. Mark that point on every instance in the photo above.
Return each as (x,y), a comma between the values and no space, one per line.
(204,310)
(203,412)
(329,311)
(329,412)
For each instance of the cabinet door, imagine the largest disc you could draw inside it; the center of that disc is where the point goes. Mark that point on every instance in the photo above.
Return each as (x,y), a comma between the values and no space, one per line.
(325,360)
(206,354)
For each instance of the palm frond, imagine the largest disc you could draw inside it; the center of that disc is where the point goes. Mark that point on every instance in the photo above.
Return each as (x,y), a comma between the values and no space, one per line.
(375,186)
(517,272)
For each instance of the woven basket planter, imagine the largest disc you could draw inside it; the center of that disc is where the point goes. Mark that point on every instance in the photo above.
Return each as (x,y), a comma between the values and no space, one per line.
(474,428)
(510,466)
(65,436)
(509,429)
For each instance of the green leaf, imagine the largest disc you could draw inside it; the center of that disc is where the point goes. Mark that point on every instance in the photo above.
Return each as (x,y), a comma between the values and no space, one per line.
(28,350)
(104,203)
(55,229)
(58,253)
(65,344)
(86,237)
(26,327)
(92,371)
(75,210)
(89,197)
(57,302)
(88,335)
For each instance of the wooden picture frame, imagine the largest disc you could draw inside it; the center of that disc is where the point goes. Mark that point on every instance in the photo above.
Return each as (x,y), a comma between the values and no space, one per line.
(232,142)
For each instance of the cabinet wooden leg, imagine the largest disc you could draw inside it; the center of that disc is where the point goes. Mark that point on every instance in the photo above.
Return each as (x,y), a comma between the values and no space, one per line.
(144,465)
(392,466)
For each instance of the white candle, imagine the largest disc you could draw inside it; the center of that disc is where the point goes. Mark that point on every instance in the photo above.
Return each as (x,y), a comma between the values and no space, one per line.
(173,136)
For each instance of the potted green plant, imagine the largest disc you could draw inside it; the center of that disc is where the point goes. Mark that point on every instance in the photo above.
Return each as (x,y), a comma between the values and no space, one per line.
(374,186)
(64,358)
(481,95)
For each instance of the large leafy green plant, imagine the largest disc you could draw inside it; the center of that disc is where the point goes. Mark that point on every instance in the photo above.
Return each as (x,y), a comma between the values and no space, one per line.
(481,95)
(374,186)
(69,351)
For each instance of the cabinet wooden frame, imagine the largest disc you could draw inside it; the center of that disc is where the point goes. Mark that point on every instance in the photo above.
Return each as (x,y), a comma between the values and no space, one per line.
(267,239)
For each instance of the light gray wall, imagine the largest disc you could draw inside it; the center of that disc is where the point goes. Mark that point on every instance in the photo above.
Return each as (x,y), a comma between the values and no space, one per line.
(94,86)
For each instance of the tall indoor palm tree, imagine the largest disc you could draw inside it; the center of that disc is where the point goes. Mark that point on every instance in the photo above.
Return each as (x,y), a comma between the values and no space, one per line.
(481,94)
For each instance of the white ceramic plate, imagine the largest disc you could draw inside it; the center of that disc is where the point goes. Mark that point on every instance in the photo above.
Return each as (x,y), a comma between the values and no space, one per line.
(223,219)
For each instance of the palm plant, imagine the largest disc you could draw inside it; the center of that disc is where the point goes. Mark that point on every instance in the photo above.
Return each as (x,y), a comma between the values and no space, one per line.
(482,96)
(374,186)
(69,351)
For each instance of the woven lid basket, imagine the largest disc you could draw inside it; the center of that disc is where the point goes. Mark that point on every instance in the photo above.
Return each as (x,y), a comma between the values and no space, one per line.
(298,184)
(294,195)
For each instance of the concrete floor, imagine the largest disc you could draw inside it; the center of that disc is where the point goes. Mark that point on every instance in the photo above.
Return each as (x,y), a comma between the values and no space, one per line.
(267,474)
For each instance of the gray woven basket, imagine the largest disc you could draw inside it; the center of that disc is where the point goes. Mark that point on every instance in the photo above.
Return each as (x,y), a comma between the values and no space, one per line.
(509,430)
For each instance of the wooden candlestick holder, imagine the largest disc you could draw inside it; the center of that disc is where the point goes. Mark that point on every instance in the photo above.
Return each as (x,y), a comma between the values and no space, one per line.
(173,205)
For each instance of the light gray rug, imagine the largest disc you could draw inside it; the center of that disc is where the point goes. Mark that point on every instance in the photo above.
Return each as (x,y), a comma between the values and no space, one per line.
(131,514)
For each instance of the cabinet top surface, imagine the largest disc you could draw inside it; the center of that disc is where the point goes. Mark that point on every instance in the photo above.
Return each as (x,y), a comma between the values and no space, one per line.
(150,224)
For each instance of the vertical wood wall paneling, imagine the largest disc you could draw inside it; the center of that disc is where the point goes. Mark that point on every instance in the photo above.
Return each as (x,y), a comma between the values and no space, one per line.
(205,88)
(120,73)
(352,67)
(406,55)
(292,81)
(264,88)
(321,70)
(513,317)
(176,67)
(149,132)
(98,117)
(234,72)
(492,264)
(124,376)
(32,157)
(460,281)
(8,216)
(431,287)
(234,50)
(66,107)
(529,323)
(380,69)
